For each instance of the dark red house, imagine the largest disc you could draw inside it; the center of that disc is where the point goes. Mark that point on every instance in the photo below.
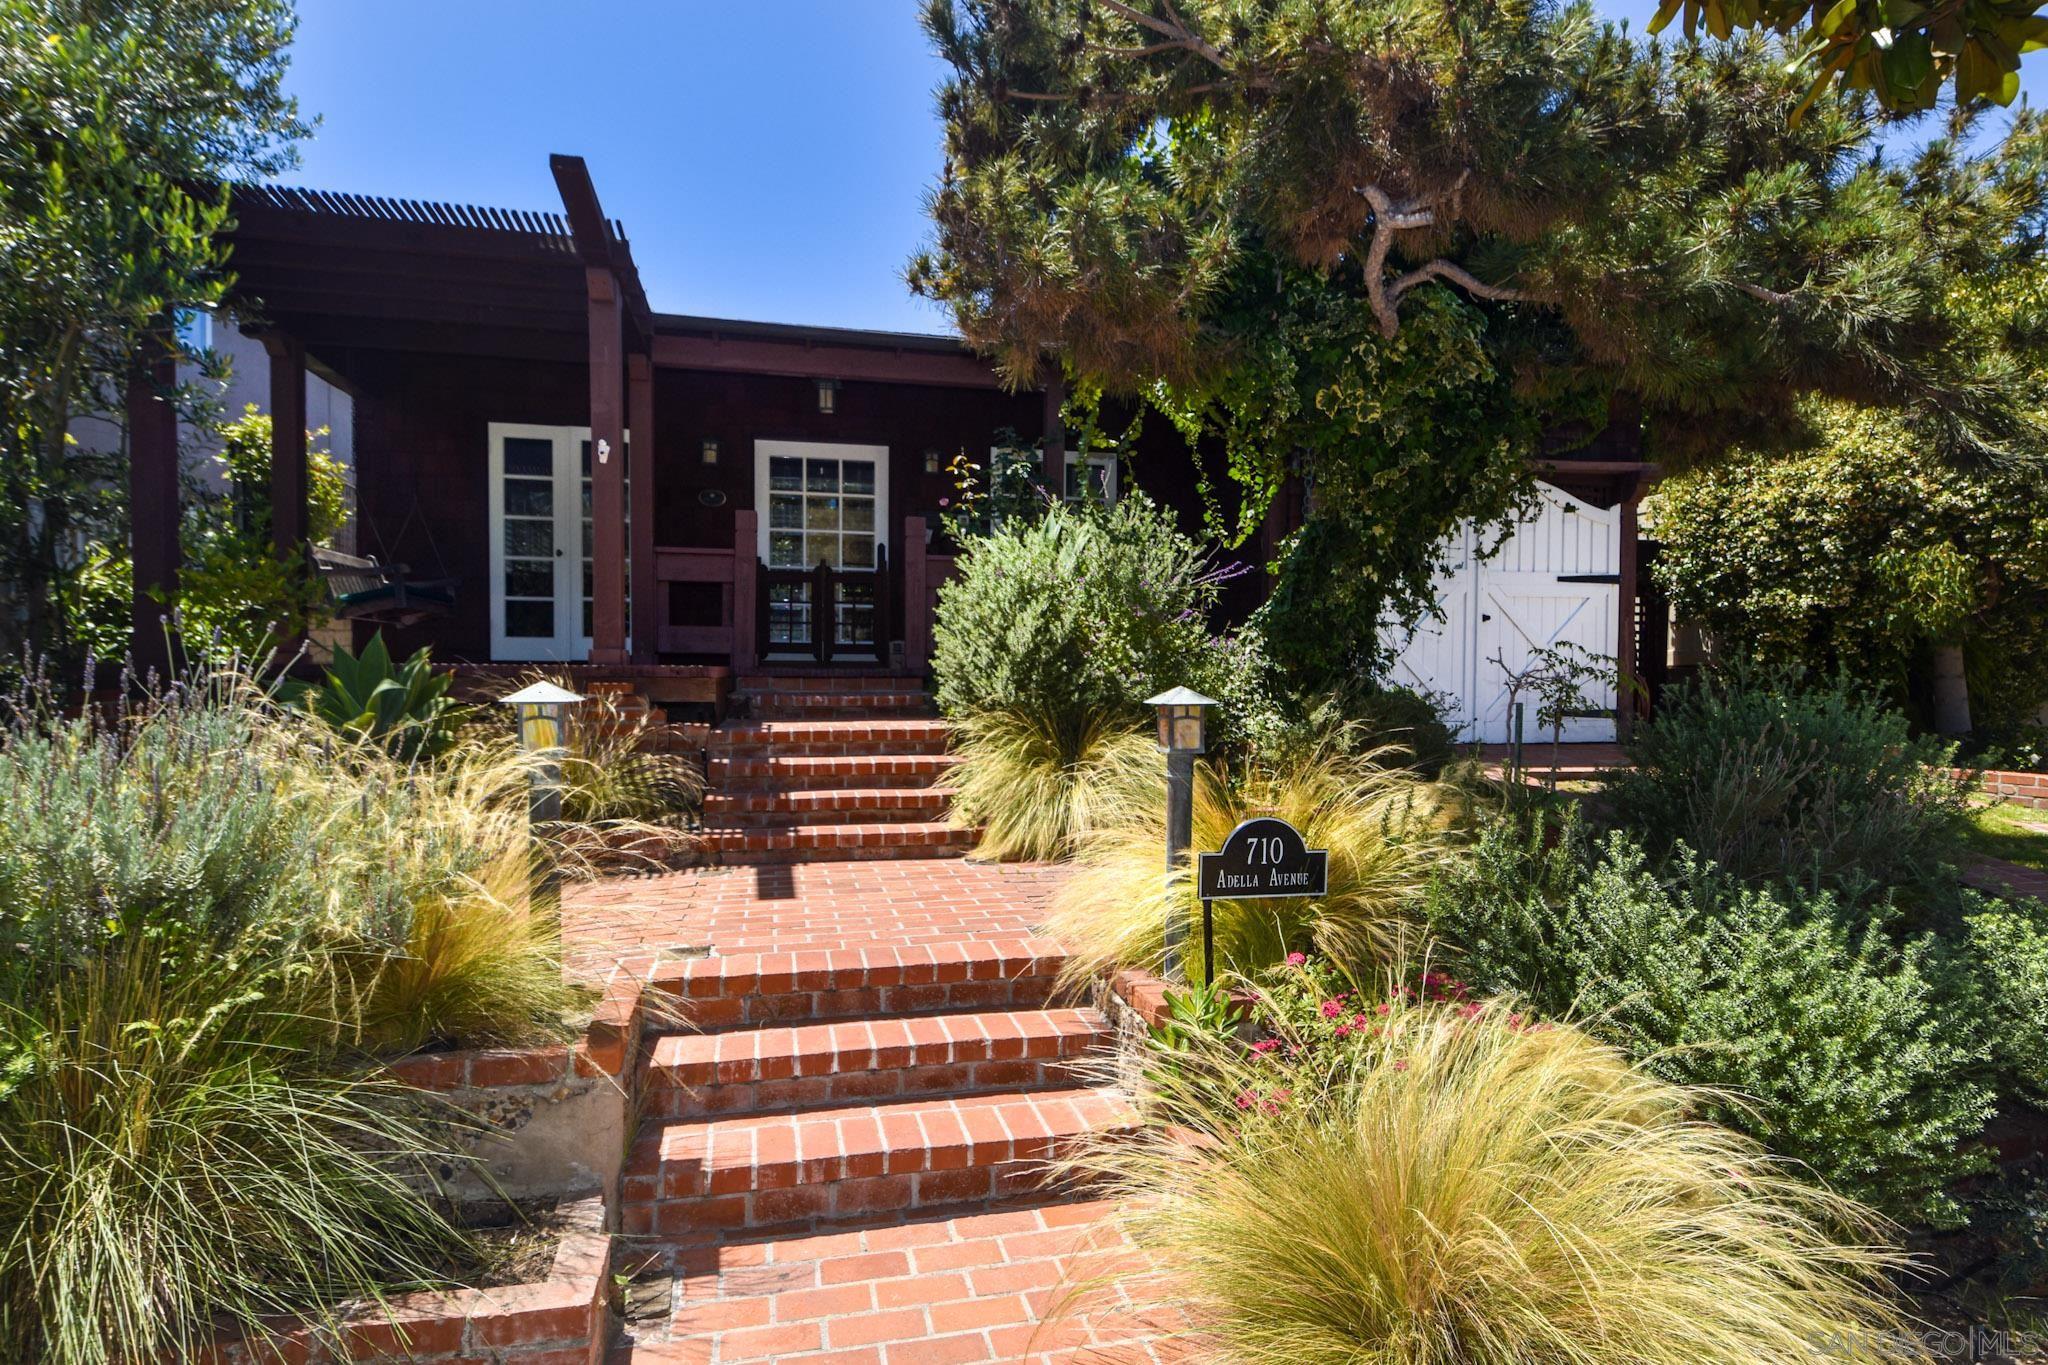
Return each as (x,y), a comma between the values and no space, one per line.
(671,500)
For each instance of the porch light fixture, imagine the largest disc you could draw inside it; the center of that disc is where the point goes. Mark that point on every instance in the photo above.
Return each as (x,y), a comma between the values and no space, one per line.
(931,461)
(828,396)
(1183,726)
(710,452)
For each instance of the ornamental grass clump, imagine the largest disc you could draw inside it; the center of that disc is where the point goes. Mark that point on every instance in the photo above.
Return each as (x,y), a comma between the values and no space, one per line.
(1452,1186)
(1037,784)
(216,913)
(1385,827)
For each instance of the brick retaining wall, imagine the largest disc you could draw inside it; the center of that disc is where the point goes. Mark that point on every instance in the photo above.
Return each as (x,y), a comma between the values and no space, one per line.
(562,1320)
(2021,789)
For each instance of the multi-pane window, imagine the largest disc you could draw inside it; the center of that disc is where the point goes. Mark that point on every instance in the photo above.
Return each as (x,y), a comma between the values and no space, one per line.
(529,501)
(821,510)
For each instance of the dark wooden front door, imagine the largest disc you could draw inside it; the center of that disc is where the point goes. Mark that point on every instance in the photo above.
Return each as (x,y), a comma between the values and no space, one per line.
(826,614)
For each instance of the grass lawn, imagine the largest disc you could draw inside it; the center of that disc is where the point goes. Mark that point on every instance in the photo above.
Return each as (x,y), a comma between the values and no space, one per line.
(2014,833)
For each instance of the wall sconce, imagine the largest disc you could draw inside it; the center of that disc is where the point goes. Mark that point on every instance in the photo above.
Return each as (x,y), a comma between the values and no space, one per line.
(710,452)
(931,461)
(828,396)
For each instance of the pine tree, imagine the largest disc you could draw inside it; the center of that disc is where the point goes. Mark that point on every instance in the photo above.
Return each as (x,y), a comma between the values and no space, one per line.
(1322,230)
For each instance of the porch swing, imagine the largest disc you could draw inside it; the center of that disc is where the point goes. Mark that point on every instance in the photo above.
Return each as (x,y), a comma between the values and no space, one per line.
(382,592)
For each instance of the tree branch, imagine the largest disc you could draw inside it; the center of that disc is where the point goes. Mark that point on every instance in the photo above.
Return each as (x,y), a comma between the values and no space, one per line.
(1385,296)
(1763,295)
(1464,279)
(1178,32)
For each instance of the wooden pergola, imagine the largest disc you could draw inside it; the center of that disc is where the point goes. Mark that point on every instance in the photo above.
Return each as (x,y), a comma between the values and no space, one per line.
(319,272)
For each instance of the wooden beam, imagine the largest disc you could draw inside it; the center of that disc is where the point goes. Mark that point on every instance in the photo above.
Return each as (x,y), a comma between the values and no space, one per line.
(642,472)
(1054,429)
(1627,701)
(751,355)
(607,469)
(153,506)
(287,443)
(746,587)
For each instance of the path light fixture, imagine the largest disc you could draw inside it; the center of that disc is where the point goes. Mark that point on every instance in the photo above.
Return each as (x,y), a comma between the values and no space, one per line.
(1183,733)
(542,712)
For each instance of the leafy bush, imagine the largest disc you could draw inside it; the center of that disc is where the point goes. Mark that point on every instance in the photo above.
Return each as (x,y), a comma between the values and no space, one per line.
(1775,780)
(1833,1046)
(1077,618)
(1448,1188)
(1406,719)
(1822,557)
(404,707)
(1386,830)
(1036,790)
(1996,973)
(213,903)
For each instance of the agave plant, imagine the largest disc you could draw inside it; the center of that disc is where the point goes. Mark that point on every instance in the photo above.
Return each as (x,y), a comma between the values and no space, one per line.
(404,707)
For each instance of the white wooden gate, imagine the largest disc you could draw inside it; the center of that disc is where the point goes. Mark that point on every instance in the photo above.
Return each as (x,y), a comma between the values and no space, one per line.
(1554,580)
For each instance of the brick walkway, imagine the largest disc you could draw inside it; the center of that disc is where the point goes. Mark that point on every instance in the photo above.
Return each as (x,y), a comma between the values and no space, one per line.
(843,1160)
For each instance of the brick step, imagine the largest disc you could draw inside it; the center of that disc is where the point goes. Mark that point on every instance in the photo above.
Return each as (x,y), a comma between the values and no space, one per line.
(826,806)
(813,1065)
(837,842)
(902,735)
(811,772)
(810,705)
(745,989)
(828,1165)
(836,680)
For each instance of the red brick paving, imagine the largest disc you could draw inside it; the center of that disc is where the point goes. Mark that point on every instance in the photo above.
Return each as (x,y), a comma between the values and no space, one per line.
(796,950)
(804,905)
(977,1287)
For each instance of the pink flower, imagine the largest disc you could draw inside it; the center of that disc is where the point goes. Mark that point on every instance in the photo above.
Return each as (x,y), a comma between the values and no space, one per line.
(1293,959)
(1266,1045)
(1343,1030)
(1358,1021)
(945,502)
(1400,1066)
(1333,1008)
(1282,1095)
(1383,1010)
(1245,1099)
(1468,1011)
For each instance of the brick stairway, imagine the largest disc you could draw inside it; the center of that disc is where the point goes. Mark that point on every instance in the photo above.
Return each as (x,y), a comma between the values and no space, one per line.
(830,767)
(899,1099)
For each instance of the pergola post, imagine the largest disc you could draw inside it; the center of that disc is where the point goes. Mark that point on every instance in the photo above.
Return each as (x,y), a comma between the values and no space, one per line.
(287,444)
(641,473)
(607,469)
(1055,470)
(1627,699)
(153,510)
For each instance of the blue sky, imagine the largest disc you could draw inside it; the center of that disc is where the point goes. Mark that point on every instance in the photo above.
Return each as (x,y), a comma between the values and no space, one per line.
(769,157)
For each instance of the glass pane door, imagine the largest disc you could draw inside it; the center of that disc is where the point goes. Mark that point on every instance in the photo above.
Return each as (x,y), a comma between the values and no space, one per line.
(541,576)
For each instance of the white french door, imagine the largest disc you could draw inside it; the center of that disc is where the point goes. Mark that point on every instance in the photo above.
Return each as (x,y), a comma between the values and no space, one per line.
(540,542)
